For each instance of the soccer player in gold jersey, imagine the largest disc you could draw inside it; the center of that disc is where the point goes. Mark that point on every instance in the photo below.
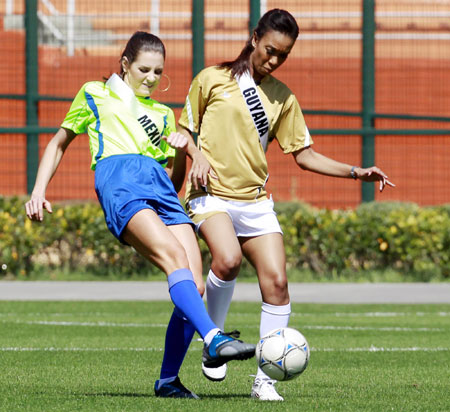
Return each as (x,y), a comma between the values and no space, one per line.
(237,108)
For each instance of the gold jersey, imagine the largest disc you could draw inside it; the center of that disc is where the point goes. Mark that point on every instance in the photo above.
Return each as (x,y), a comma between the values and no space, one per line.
(228,138)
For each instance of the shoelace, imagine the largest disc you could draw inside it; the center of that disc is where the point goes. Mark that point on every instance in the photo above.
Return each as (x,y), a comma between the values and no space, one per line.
(233,334)
(259,381)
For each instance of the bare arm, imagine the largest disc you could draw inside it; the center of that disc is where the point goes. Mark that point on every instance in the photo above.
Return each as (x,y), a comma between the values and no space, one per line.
(47,168)
(176,167)
(315,162)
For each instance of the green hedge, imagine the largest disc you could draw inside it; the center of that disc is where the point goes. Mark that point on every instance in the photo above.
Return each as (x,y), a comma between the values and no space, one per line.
(375,236)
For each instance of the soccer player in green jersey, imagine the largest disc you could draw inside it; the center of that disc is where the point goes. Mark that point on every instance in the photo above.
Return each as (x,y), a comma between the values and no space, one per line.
(237,108)
(135,152)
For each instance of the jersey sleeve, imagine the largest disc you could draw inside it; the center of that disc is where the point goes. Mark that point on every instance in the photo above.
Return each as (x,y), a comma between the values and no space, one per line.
(77,118)
(170,127)
(195,105)
(290,130)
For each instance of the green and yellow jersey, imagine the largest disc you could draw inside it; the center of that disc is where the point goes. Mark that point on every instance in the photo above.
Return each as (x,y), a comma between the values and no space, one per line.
(112,128)
(228,138)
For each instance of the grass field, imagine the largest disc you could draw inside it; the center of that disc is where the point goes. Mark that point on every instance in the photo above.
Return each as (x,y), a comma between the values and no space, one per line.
(105,356)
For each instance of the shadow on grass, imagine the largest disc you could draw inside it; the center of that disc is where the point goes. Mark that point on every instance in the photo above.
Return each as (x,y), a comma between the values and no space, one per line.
(119,394)
(151,395)
(223,396)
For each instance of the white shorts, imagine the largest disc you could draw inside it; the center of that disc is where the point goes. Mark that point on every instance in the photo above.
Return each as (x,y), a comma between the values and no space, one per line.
(248,218)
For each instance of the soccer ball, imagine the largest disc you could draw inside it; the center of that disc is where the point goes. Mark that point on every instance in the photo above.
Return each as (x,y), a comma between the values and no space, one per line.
(282,354)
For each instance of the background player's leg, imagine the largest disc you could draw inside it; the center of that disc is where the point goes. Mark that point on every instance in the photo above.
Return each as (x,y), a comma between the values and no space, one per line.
(226,257)
(219,234)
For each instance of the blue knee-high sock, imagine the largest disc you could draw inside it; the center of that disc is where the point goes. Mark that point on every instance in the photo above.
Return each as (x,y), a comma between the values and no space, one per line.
(178,338)
(185,296)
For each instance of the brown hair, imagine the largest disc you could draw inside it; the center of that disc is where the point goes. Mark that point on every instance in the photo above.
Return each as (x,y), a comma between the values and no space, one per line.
(141,41)
(274,20)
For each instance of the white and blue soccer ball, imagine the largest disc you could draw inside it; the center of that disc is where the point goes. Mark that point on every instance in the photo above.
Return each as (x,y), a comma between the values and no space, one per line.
(283,354)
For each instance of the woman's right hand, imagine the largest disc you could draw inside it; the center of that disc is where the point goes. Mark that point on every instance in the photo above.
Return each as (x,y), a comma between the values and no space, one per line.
(35,207)
(50,160)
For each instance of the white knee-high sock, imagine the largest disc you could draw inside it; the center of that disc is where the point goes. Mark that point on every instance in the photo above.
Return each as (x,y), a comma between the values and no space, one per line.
(218,296)
(272,317)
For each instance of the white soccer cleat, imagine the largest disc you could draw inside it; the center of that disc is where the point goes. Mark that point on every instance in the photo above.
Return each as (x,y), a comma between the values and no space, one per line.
(215,374)
(264,390)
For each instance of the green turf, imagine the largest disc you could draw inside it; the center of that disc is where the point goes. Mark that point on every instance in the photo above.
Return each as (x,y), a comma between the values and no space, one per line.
(105,356)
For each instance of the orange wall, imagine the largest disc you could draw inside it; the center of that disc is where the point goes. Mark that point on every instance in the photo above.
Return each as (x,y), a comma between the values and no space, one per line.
(418,165)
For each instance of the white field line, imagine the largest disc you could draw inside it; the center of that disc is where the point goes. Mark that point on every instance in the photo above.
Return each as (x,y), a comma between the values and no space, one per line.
(378,349)
(86,349)
(77,315)
(382,329)
(161,325)
(374,314)
(337,314)
(102,324)
(70,349)
(72,314)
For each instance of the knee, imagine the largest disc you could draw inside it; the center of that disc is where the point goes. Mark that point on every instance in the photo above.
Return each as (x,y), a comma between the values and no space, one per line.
(274,289)
(172,260)
(279,286)
(178,256)
(227,266)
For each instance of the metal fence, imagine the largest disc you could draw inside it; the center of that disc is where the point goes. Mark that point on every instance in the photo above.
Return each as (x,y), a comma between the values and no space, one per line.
(372,78)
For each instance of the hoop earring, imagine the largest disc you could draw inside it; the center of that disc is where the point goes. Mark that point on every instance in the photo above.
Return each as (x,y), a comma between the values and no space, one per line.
(168,85)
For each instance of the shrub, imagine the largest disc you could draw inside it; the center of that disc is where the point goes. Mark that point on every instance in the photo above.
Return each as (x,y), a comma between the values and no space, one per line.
(330,243)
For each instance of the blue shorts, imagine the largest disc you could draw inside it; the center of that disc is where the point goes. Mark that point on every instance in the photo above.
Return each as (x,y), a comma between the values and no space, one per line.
(126,184)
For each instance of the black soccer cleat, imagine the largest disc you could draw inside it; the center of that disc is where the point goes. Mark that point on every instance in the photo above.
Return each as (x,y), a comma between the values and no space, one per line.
(226,347)
(174,389)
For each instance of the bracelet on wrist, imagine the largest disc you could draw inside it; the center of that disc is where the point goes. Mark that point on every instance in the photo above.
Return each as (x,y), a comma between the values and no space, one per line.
(353,173)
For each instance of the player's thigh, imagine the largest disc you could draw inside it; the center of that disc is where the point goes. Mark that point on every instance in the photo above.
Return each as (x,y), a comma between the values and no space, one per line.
(266,253)
(186,236)
(152,239)
(218,233)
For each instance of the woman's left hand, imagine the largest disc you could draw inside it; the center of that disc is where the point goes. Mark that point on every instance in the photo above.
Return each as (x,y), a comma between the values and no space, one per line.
(177,140)
(373,174)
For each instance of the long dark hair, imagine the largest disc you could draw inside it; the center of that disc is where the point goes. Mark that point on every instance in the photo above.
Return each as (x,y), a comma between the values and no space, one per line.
(274,20)
(141,41)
